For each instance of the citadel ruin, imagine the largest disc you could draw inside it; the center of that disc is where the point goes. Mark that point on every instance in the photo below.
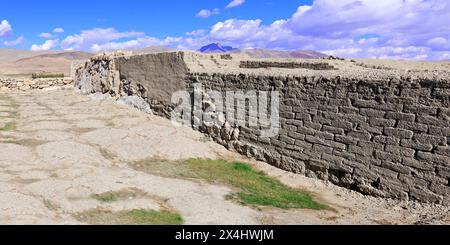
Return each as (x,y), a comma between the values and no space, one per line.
(382,131)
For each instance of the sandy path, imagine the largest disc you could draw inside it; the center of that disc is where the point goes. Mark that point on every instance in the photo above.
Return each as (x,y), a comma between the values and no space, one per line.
(66,147)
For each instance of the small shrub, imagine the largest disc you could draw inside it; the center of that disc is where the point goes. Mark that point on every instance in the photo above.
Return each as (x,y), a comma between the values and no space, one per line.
(47,75)
(255,187)
(133,217)
(8,127)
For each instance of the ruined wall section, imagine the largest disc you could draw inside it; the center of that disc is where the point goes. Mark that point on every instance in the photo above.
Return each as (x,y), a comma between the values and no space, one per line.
(98,75)
(388,138)
(155,78)
(384,138)
(285,65)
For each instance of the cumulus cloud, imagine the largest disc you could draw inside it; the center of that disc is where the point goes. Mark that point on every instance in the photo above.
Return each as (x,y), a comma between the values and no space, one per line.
(58,30)
(53,34)
(196,33)
(47,45)
(206,13)
(409,29)
(400,29)
(235,3)
(87,39)
(107,39)
(135,44)
(46,35)
(5,28)
(15,42)
(404,28)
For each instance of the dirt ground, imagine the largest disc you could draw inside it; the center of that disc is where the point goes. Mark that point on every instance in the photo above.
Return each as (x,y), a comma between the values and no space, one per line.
(58,148)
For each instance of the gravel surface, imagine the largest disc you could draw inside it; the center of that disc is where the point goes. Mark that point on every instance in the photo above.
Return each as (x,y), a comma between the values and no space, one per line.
(65,147)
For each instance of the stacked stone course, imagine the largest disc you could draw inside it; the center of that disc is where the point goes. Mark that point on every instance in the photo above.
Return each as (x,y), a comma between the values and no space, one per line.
(11,84)
(287,65)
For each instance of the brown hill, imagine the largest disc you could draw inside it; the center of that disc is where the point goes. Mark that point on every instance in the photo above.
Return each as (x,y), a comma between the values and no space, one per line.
(70,55)
(22,63)
(275,54)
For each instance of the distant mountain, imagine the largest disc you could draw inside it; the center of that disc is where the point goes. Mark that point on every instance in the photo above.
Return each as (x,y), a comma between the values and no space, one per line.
(7,55)
(69,55)
(274,54)
(263,53)
(22,63)
(217,48)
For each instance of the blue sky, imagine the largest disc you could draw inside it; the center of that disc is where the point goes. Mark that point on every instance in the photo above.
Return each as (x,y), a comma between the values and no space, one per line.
(408,29)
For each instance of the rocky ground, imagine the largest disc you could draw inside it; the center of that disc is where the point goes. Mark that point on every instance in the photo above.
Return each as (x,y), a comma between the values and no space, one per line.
(59,148)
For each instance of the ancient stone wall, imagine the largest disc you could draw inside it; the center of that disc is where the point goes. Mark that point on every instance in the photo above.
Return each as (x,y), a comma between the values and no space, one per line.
(389,138)
(385,138)
(286,65)
(11,84)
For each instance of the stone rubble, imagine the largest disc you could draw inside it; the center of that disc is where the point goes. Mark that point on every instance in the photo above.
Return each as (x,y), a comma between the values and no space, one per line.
(11,84)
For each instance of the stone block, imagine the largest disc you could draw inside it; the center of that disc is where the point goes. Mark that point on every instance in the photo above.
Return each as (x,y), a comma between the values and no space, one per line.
(387,156)
(333,130)
(430,139)
(360,135)
(413,144)
(401,116)
(416,127)
(399,150)
(425,166)
(346,140)
(433,158)
(372,113)
(398,133)
(381,122)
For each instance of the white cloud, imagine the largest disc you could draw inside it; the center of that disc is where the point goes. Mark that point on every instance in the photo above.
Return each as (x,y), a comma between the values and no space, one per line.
(15,42)
(196,33)
(402,29)
(47,45)
(131,44)
(97,36)
(235,29)
(58,30)
(206,13)
(5,28)
(99,39)
(407,29)
(46,35)
(439,43)
(235,3)
(136,44)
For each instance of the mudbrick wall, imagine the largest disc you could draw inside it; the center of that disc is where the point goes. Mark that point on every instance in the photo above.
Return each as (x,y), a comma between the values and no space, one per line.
(287,65)
(388,138)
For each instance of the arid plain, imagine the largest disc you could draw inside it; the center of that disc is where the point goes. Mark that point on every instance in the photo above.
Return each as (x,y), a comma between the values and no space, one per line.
(67,158)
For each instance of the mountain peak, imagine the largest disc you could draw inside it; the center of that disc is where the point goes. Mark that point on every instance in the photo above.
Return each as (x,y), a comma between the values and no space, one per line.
(217,48)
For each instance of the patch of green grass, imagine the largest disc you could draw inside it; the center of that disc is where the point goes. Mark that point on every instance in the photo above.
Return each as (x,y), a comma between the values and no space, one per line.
(107,154)
(11,114)
(51,205)
(47,75)
(110,125)
(106,197)
(254,187)
(121,195)
(8,127)
(133,217)
(24,142)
